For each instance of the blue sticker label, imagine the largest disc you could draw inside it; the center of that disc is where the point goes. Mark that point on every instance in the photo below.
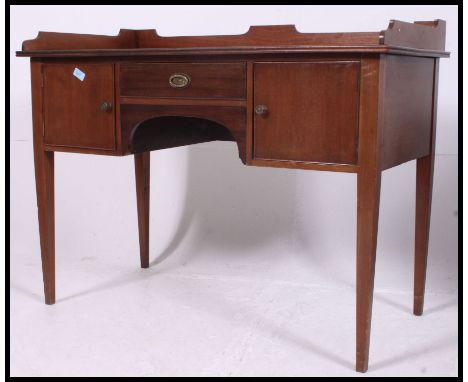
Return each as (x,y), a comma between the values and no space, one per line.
(79,74)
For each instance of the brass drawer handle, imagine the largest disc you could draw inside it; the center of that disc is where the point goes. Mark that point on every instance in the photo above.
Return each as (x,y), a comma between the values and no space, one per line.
(106,106)
(179,80)
(261,110)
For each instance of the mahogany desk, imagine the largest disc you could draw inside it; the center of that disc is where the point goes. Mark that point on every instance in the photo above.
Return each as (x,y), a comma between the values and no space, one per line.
(351,102)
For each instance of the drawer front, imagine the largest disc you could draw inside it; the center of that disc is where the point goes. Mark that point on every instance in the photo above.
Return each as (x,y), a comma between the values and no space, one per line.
(182,80)
(306,111)
(79,108)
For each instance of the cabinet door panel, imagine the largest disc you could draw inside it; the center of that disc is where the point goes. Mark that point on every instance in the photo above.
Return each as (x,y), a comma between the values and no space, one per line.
(72,107)
(312,111)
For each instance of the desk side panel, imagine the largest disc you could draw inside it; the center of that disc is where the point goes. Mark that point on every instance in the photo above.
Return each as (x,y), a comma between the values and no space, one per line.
(407,109)
(428,35)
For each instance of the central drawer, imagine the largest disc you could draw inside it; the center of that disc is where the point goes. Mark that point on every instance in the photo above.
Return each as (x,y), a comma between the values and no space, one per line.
(183,80)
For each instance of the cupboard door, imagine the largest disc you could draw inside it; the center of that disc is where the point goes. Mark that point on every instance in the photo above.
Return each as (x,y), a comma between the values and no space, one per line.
(306,111)
(79,105)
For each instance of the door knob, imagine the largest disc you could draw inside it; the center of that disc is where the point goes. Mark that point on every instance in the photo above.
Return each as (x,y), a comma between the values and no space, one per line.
(106,106)
(261,110)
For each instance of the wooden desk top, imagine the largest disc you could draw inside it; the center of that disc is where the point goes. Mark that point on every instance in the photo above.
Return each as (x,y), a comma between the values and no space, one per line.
(421,38)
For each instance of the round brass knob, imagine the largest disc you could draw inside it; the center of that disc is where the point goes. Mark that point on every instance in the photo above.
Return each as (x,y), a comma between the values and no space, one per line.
(106,106)
(261,110)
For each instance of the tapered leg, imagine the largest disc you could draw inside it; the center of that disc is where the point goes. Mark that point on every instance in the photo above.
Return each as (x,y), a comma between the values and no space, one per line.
(44,167)
(424,175)
(367,224)
(142,178)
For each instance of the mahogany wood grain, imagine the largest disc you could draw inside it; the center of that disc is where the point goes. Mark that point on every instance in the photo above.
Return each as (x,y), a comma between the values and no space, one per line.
(207,80)
(304,165)
(420,34)
(424,180)
(205,58)
(117,101)
(368,195)
(302,122)
(246,52)
(407,111)
(82,150)
(126,39)
(72,114)
(424,176)
(258,36)
(142,180)
(44,169)
(249,126)
(182,101)
(403,38)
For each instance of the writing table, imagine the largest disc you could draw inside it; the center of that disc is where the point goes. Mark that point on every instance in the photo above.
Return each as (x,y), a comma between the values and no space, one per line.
(350,102)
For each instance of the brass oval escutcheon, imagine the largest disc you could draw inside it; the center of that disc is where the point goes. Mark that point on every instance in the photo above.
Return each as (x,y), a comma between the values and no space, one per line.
(179,80)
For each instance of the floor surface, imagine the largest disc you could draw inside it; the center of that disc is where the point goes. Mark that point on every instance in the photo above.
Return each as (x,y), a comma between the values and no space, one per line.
(212,317)
(252,274)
